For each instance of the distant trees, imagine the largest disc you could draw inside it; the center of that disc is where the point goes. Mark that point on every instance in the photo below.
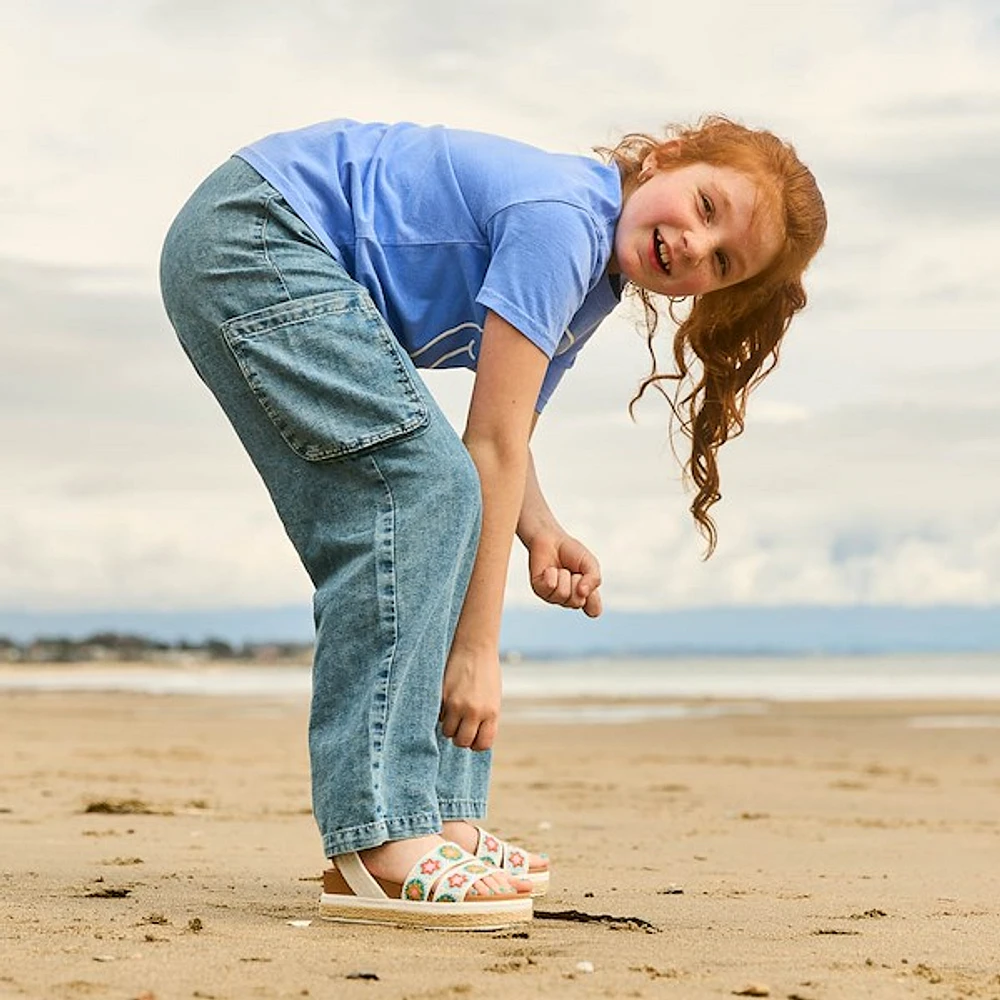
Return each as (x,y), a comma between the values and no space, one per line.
(115,647)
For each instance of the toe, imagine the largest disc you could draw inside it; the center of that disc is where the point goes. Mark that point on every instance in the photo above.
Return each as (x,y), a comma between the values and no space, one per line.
(485,887)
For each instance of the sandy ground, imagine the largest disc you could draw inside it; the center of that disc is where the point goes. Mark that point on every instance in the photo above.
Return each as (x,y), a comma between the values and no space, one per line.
(809,852)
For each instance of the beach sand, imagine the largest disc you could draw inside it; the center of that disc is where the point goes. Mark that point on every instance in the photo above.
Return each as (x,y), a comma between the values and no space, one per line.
(810,851)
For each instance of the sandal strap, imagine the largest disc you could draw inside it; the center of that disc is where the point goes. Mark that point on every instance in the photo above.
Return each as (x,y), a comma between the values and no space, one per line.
(454,885)
(430,868)
(500,853)
(516,860)
(489,848)
(358,877)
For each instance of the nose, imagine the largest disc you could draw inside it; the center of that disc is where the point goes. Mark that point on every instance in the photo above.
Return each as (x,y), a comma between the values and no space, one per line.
(695,246)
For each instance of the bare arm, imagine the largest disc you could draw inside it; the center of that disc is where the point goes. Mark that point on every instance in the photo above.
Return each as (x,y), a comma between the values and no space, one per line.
(509,374)
(536,516)
(562,570)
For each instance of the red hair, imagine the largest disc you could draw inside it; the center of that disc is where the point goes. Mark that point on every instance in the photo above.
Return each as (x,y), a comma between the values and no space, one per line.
(730,339)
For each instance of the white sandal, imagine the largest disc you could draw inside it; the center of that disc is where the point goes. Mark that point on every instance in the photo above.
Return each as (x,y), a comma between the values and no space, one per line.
(435,894)
(511,859)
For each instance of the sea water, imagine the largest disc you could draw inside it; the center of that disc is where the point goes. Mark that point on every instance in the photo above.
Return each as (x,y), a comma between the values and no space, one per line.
(682,679)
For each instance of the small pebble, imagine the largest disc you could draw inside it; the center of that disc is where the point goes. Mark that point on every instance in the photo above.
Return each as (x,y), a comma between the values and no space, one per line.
(584,966)
(298,923)
(753,990)
(104,958)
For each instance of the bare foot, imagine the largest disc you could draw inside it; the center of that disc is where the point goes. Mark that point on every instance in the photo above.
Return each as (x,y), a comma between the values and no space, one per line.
(392,861)
(463,833)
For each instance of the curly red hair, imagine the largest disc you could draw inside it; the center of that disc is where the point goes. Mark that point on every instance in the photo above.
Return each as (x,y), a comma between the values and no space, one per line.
(731,338)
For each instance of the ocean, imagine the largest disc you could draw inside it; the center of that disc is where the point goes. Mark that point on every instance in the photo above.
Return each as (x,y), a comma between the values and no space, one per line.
(591,690)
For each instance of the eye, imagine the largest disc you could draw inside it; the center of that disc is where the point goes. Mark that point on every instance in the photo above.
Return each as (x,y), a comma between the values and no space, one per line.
(723,263)
(707,207)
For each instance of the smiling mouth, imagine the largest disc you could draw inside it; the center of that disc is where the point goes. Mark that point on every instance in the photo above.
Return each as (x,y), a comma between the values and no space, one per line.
(661,252)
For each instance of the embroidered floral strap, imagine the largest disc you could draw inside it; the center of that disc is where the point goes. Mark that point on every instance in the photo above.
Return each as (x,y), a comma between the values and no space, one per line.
(430,868)
(498,852)
(516,860)
(489,848)
(455,884)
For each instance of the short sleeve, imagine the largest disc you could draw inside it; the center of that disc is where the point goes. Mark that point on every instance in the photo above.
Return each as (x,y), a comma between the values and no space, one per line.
(544,258)
(553,376)
(600,301)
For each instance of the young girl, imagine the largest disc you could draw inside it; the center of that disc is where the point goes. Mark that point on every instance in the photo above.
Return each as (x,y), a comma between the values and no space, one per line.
(309,277)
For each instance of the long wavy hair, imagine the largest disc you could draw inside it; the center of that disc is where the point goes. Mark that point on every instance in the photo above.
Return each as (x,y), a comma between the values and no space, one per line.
(730,339)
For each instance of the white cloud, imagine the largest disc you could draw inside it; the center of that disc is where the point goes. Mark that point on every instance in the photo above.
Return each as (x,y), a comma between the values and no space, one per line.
(865,471)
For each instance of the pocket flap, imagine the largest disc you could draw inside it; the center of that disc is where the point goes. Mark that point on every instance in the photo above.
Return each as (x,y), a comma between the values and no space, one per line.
(329,373)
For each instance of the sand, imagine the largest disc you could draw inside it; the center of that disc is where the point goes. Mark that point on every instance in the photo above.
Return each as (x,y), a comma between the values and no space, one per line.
(808,851)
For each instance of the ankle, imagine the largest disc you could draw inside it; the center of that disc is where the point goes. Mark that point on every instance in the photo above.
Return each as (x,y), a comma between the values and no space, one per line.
(461,832)
(394,853)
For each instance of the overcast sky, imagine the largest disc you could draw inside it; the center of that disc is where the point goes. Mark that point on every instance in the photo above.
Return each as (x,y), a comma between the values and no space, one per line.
(870,469)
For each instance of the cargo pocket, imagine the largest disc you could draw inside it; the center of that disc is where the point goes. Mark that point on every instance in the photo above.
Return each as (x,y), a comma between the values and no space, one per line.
(328,372)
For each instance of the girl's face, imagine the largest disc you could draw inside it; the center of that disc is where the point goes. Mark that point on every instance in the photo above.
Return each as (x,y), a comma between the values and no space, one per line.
(693,229)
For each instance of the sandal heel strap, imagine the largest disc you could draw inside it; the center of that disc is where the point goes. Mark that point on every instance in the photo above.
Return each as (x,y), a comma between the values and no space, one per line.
(362,884)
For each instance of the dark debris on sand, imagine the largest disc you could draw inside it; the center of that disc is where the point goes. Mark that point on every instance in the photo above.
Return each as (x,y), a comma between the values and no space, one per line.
(615,923)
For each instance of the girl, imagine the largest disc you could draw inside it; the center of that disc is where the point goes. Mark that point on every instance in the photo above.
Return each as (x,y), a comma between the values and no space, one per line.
(309,277)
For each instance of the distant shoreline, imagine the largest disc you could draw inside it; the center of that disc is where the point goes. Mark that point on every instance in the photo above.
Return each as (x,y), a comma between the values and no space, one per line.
(552,633)
(966,677)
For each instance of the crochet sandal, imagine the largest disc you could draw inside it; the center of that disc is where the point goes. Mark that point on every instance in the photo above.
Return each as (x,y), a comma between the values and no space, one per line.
(435,894)
(511,859)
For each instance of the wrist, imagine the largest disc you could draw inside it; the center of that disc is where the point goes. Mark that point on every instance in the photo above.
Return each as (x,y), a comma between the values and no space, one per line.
(475,649)
(534,525)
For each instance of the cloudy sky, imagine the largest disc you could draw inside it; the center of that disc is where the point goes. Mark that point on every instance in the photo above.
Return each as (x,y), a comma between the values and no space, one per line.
(870,470)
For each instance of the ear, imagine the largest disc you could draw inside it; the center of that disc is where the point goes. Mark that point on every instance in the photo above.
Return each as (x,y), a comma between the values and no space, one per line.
(650,164)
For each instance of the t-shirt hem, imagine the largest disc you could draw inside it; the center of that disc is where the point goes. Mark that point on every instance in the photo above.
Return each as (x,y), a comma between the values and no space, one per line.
(273,176)
(526,325)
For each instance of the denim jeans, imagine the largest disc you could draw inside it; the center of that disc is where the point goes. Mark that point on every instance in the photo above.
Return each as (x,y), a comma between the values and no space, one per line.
(375,490)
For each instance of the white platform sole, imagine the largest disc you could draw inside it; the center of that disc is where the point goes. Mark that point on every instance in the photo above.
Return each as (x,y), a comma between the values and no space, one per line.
(483,916)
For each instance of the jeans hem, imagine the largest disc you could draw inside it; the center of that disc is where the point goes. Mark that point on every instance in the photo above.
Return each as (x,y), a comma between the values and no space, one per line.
(359,838)
(462,808)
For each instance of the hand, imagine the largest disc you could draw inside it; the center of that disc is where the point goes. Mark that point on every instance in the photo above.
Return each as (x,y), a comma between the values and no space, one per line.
(565,572)
(470,698)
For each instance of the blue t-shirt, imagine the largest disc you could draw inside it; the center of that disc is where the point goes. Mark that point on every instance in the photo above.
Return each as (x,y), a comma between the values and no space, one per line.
(440,225)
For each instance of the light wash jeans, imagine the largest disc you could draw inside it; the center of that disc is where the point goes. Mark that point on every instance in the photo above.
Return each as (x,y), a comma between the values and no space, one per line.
(375,490)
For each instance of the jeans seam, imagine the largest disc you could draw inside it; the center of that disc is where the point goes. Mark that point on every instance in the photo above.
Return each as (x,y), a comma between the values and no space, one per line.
(385,569)
(267,253)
